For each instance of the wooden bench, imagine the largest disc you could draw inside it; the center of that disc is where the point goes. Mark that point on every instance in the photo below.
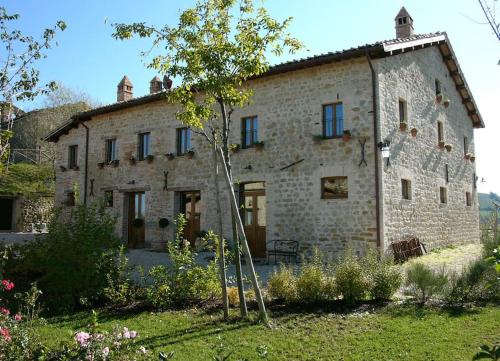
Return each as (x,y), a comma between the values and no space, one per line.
(285,248)
(407,248)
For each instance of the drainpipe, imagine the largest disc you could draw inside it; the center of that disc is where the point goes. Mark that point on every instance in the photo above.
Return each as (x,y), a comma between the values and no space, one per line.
(86,163)
(375,144)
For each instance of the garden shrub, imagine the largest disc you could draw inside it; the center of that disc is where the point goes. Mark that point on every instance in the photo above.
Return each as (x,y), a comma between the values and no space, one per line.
(422,282)
(384,278)
(470,284)
(182,281)
(282,284)
(71,263)
(314,283)
(233,296)
(351,280)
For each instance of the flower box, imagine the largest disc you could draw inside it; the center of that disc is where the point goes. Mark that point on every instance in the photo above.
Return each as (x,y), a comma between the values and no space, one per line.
(403,126)
(190,154)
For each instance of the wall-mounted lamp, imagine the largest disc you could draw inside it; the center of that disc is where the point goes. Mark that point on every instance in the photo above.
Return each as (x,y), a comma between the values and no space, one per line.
(386,150)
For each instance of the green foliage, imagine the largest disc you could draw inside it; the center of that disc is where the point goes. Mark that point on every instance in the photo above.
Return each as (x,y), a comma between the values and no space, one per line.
(352,282)
(470,284)
(217,45)
(72,261)
(312,280)
(384,277)
(27,179)
(422,282)
(182,281)
(488,353)
(282,284)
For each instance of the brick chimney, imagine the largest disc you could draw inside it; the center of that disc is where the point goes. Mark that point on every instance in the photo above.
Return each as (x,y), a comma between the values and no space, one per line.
(404,24)
(155,85)
(124,90)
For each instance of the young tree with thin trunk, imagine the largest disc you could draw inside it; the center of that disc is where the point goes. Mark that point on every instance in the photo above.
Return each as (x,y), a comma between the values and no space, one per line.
(19,79)
(215,48)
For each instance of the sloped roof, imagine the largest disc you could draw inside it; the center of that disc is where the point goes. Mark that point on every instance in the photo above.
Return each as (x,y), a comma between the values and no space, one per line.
(403,12)
(376,50)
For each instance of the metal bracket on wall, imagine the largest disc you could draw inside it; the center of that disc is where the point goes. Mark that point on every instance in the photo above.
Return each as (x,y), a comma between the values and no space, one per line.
(292,164)
(92,187)
(362,143)
(165,180)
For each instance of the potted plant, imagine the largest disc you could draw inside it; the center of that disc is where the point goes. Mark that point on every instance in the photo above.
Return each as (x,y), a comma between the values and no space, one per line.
(446,102)
(190,154)
(439,97)
(414,132)
(468,155)
(472,158)
(235,148)
(62,168)
(100,165)
(403,126)
(441,144)
(346,135)
(318,138)
(163,222)
(149,158)
(170,156)
(138,223)
(448,147)
(115,162)
(259,145)
(131,160)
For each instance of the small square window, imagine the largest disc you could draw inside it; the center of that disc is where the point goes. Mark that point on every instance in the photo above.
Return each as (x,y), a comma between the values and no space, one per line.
(468,199)
(443,195)
(406,189)
(334,188)
(403,115)
(108,198)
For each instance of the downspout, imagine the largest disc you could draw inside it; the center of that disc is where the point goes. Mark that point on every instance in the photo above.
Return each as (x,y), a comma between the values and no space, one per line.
(86,163)
(375,144)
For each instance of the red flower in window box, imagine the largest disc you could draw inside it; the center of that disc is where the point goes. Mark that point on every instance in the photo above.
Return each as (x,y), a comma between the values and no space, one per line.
(346,136)
(190,154)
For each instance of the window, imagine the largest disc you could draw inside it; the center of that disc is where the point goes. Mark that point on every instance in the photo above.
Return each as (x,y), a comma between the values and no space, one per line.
(402,111)
(440,132)
(249,131)
(183,140)
(406,189)
(474,180)
(111,150)
(468,199)
(70,199)
(334,188)
(446,173)
(73,157)
(108,198)
(466,146)
(443,196)
(438,87)
(143,146)
(333,120)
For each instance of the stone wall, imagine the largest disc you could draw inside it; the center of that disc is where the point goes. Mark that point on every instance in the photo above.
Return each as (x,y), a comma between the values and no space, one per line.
(411,76)
(289,107)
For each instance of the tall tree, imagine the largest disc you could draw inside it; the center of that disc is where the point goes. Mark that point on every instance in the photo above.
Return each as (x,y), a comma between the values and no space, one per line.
(19,79)
(489,10)
(215,48)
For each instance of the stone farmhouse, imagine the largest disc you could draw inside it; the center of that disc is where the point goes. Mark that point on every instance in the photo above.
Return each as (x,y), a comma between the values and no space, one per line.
(357,147)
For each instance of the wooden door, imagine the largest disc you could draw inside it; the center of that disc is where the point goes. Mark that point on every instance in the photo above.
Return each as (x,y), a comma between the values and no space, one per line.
(190,207)
(136,219)
(254,217)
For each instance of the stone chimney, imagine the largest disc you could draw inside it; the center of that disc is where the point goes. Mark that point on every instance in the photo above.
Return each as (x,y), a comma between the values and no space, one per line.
(124,90)
(404,24)
(155,85)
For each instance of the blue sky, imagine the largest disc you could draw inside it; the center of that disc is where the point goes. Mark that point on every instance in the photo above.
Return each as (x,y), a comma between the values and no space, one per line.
(89,59)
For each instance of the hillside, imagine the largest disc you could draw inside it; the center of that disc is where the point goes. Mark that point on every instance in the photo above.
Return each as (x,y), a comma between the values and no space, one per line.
(486,207)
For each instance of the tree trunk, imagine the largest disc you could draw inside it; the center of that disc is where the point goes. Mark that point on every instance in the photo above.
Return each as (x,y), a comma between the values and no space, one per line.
(222,261)
(237,262)
(248,257)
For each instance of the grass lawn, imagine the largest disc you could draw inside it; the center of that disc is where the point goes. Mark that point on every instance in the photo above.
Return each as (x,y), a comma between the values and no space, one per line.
(384,333)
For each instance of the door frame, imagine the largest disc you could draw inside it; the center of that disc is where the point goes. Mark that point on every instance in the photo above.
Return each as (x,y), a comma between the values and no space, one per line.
(130,202)
(181,210)
(254,193)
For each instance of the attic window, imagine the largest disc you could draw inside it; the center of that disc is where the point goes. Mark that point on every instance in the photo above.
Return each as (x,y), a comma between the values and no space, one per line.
(404,20)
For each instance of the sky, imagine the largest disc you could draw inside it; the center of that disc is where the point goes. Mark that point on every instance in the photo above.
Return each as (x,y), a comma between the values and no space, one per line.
(88,59)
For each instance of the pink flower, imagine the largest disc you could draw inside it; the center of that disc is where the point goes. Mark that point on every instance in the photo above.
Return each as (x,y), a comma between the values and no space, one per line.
(4,311)
(105,351)
(126,333)
(82,338)
(6,334)
(133,334)
(17,317)
(7,285)
(143,349)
